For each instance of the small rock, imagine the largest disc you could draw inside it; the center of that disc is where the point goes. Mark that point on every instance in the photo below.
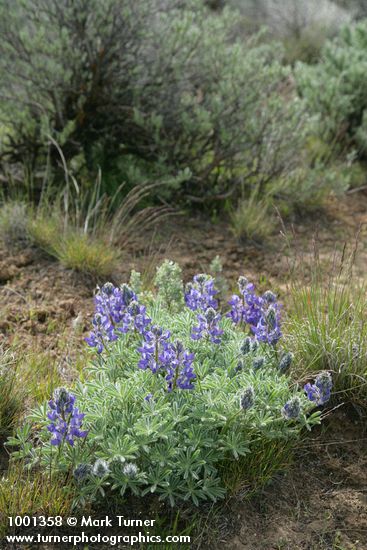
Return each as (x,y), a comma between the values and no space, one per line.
(7,272)
(68,306)
(4,326)
(24,259)
(41,315)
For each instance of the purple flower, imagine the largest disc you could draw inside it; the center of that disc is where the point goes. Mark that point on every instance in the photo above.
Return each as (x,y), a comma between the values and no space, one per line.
(135,318)
(180,372)
(258,363)
(116,310)
(292,408)
(285,362)
(268,328)
(200,293)
(66,420)
(247,398)
(208,326)
(104,331)
(112,301)
(82,471)
(245,308)
(320,391)
(262,313)
(249,345)
(153,351)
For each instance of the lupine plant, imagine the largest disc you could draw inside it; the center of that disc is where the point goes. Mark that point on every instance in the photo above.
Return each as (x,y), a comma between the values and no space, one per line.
(177,402)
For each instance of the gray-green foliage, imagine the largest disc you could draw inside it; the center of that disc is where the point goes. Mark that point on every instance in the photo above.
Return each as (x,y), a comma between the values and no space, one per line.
(135,281)
(168,280)
(151,87)
(335,88)
(216,270)
(192,444)
(358,8)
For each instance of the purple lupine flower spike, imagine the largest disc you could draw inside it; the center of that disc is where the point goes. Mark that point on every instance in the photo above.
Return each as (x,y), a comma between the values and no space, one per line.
(208,326)
(200,293)
(180,372)
(66,420)
(117,311)
(262,313)
(268,328)
(292,409)
(245,308)
(320,391)
(247,398)
(153,349)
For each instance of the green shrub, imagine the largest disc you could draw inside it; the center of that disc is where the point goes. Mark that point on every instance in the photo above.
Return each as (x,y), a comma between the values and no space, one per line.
(327,329)
(335,88)
(148,89)
(358,8)
(186,419)
(308,188)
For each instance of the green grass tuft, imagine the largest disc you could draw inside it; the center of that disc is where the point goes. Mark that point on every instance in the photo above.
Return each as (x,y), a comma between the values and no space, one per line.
(327,329)
(252,220)
(90,256)
(31,493)
(11,393)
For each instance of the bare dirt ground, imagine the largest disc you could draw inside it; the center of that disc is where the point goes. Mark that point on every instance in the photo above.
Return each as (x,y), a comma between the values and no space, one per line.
(321,502)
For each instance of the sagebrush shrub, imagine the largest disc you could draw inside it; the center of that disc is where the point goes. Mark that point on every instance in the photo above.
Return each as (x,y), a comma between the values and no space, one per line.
(147,88)
(178,402)
(334,89)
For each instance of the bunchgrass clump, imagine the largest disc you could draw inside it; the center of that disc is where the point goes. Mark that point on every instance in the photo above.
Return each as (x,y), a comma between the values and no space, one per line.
(75,250)
(327,328)
(11,393)
(23,492)
(186,403)
(91,256)
(44,232)
(37,372)
(252,220)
